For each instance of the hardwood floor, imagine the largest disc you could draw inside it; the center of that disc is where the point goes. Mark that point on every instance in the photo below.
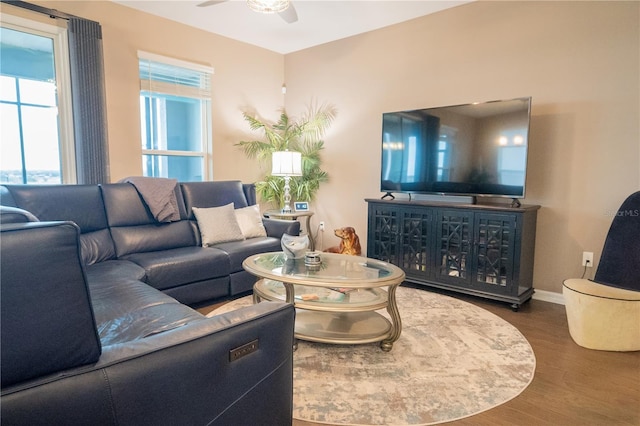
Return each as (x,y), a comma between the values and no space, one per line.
(572,385)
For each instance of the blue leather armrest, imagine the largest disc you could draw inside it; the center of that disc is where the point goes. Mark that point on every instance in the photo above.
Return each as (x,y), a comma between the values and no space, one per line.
(15,215)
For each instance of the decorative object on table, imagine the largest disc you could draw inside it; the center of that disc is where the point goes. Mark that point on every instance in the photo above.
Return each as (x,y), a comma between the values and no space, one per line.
(312,258)
(294,246)
(278,214)
(299,266)
(303,136)
(433,373)
(286,164)
(349,242)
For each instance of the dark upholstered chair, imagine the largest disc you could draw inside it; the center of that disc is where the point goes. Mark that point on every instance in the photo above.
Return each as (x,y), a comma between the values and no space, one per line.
(604,313)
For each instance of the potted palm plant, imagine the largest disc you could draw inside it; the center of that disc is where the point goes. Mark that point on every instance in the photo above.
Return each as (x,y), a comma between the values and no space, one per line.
(305,136)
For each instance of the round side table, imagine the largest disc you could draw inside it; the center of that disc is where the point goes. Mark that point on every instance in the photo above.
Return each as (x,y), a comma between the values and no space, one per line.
(279,214)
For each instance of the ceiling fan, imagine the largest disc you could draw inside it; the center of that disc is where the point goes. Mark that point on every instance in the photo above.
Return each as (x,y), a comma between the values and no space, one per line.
(284,8)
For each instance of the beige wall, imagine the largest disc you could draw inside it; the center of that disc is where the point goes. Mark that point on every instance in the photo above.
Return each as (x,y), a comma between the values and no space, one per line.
(244,76)
(579,62)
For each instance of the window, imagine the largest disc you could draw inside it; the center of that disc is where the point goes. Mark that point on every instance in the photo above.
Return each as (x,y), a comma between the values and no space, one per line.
(35,114)
(175,115)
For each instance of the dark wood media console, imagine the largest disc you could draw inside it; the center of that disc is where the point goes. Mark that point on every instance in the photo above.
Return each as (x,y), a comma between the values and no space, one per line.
(485,250)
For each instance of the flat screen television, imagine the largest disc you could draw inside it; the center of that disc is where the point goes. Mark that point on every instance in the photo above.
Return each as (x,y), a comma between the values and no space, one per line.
(477,149)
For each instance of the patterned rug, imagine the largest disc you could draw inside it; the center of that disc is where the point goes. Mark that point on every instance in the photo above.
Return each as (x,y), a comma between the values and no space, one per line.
(453,360)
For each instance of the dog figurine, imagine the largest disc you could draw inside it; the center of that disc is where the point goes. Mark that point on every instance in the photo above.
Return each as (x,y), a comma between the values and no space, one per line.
(349,242)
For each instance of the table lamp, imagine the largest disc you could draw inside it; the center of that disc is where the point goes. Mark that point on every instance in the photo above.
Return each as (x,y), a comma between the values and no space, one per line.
(287,164)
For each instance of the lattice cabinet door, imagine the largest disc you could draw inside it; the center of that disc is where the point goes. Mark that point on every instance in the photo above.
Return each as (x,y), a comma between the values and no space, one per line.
(494,239)
(416,242)
(454,247)
(383,233)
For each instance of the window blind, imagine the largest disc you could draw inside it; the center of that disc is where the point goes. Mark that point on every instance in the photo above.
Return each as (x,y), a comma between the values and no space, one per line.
(174,77)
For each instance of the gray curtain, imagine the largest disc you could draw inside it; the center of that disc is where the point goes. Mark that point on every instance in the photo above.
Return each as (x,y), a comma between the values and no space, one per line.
(89,106)
(87,93)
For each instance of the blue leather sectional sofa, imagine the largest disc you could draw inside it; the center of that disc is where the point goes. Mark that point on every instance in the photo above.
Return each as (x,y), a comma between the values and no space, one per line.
(95,322)
(120,238)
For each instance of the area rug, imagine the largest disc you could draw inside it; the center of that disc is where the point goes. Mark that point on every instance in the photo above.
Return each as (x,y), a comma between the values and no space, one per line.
(453,360)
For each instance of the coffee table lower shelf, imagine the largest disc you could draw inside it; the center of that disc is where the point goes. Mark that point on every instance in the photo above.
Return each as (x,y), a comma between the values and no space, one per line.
(351,319)
(345,328)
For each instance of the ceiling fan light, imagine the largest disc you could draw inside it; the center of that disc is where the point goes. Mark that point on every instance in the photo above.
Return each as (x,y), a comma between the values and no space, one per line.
(268,6)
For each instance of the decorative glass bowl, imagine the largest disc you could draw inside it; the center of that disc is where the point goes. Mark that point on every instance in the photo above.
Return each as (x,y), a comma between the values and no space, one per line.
(294,247)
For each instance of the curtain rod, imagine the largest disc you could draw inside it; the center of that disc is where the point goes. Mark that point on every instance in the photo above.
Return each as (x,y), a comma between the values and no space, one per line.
(53,13)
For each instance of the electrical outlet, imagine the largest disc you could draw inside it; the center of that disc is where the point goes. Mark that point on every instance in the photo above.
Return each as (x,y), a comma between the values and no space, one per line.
(587,259)
(321,226)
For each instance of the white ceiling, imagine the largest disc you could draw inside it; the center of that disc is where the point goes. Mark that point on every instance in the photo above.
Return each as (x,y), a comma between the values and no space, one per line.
(318,21)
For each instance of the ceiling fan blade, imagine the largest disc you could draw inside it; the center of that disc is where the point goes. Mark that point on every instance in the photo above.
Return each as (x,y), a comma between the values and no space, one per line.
(289,14)
(210,3)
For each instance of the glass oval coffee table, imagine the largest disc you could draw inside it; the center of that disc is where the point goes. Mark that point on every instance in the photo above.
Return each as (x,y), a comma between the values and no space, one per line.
(336,301)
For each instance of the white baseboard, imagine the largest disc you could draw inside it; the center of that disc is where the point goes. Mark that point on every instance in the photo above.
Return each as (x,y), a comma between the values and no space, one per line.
(548,296)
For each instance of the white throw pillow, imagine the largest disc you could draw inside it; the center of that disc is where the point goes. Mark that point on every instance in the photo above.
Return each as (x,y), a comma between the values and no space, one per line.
(250,222)
(217,225)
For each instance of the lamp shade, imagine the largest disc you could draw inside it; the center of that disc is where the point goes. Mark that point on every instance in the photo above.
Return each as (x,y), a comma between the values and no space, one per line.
(286,163)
